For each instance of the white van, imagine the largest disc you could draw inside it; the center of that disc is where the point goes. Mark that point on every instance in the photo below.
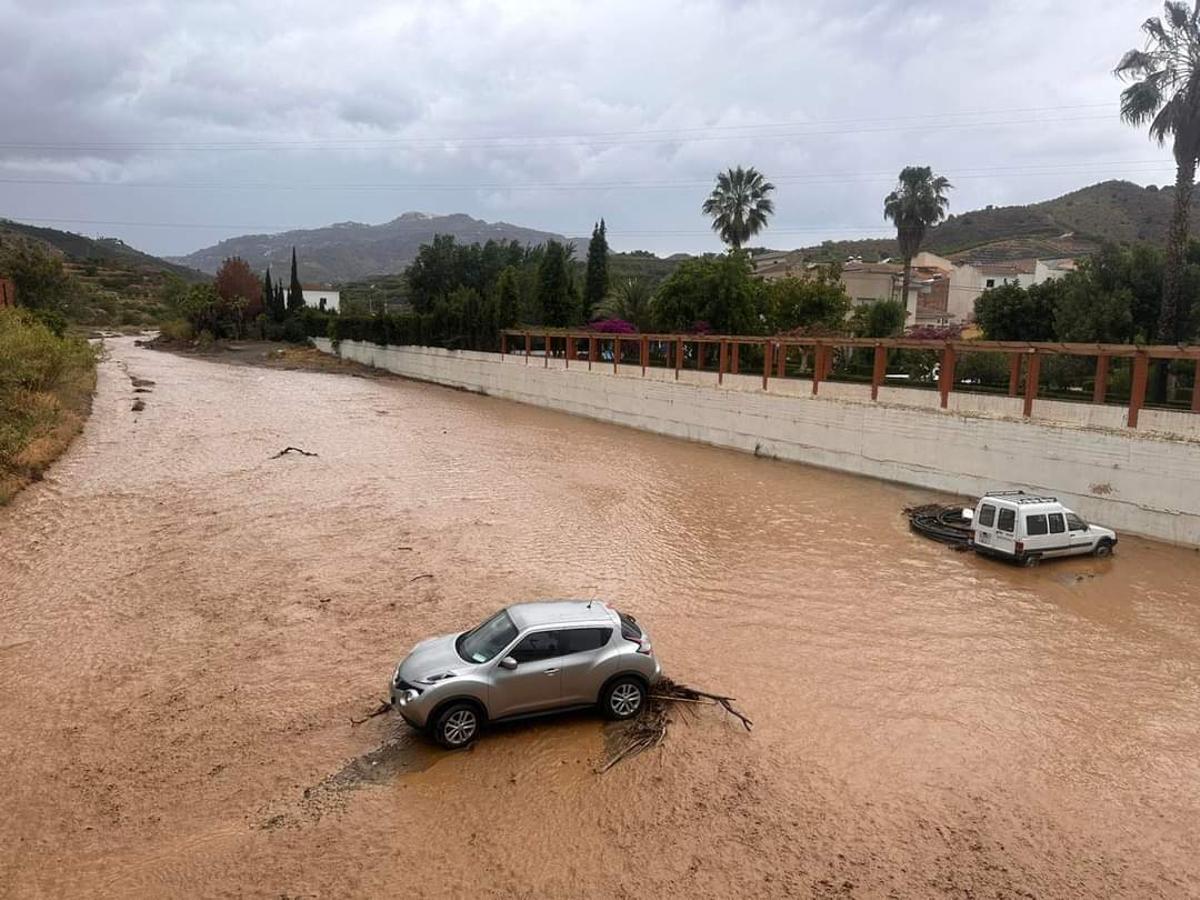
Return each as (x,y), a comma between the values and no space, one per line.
(1026,528)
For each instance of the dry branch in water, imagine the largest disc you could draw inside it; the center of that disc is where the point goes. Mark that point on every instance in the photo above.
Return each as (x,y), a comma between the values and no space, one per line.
(650,728)
(383,707)
(287,450)
(419,577)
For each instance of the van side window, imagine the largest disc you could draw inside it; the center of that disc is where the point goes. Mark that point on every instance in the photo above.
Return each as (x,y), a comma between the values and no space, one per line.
(1035,524)
(1007,520)
(987,515)
(1057,525)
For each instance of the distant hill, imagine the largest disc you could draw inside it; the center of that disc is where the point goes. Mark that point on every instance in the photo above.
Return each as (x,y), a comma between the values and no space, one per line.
(114,253)
(351,251)
(113,284)
(1074,224)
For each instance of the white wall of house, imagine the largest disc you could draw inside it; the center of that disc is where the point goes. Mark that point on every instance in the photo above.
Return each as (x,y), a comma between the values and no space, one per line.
(332,299)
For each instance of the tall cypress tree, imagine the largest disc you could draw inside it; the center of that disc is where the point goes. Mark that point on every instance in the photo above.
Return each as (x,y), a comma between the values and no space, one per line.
(268,297)
(280,301)
(295,299)
(595,284)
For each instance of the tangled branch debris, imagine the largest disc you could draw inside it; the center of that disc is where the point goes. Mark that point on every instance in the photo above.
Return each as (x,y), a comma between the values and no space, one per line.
(419,577)
(287,450)
(382,708)
(649,729)
(946,524)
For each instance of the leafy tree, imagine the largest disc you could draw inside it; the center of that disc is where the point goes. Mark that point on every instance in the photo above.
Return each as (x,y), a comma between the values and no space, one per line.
(883,318)
(204,310)
(508,298)
(631,300)
(595,284)
(556,285)
(295,297)
(717,290)
(1012,313)
(433,274)
(1084,314)
(918,202)
(1164,93)
(235,280)
(41,280)
(818,303)
(739,205)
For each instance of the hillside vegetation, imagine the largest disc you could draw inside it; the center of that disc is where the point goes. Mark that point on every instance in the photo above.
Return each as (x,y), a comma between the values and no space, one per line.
(46,383)
(100,283)
(1074,224)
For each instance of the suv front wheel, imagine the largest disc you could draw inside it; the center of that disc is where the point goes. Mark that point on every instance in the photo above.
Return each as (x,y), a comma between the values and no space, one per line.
(456,726)
(623,698)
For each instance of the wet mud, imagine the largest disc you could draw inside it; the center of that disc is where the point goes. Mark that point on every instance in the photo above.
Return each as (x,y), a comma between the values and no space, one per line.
(189,627)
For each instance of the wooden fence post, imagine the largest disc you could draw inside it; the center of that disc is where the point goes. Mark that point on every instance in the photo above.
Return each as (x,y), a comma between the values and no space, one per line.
(818,371)
(781,361)
(1032,373)
(1014,373)
(880,370)
(616,353)
(766,363)
(722,360)
(645,353)
(503,343)
(1137,389)
(546,353)
(678,356)
(1196,389)
(528,346)
(591,350)
(699,355)
(946,374)
(1100,390)
(734,364)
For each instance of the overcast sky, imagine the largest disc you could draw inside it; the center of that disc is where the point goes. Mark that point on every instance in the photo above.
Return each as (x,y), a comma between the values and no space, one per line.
(175,124)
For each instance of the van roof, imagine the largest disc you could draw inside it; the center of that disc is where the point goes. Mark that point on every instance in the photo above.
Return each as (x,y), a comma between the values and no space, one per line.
(1019,497)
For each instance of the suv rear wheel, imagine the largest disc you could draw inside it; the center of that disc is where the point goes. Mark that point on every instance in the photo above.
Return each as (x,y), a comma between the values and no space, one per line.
(456,726)
(623,698)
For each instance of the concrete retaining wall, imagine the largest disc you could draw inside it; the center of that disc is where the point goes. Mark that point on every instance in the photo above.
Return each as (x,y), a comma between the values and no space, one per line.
(1137,481)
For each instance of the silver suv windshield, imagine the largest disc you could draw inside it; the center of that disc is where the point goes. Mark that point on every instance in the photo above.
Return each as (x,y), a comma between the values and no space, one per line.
(483,643)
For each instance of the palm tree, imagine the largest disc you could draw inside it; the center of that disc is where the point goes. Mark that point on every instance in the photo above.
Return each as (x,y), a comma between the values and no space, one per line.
(739,205)
(630,300)
(1164,92)
(918,202)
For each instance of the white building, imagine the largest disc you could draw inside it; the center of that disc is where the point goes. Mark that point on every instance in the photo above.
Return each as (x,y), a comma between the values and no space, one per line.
(322,298)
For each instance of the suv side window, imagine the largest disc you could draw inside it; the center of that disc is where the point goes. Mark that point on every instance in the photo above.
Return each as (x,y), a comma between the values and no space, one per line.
(1007,520)
(987,515)
(580,640)
(1057,525)
(1035,524)
(539,645)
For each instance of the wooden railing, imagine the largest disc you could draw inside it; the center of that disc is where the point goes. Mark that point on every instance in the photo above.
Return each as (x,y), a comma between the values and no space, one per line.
(776,350)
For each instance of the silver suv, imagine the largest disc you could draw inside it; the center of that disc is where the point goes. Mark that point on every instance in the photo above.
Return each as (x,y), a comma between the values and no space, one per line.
(526,660)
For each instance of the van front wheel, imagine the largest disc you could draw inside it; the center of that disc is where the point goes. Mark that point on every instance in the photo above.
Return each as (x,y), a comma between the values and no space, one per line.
(1104,548)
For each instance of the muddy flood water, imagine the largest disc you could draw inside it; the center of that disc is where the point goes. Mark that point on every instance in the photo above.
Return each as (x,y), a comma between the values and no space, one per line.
(188,628)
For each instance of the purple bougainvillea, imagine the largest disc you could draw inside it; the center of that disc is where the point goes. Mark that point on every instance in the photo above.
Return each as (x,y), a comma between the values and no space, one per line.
(935,332)
(613,326)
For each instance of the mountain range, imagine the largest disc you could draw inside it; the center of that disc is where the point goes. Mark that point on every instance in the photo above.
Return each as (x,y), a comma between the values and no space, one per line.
(350,250)
(1074,224)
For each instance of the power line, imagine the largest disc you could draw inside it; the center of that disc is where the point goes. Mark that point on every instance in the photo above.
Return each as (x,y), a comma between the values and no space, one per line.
(519,142)
(1028,170)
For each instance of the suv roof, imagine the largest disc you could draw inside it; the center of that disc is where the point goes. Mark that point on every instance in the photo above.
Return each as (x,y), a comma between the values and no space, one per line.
(555,612)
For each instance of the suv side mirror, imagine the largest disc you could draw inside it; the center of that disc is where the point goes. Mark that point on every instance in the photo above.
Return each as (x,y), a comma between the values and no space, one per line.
(508,663)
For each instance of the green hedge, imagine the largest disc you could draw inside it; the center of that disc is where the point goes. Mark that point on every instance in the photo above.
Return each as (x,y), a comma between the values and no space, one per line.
(422,329)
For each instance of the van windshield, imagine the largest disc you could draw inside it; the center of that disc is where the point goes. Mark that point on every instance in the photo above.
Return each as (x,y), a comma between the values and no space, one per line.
(483,643)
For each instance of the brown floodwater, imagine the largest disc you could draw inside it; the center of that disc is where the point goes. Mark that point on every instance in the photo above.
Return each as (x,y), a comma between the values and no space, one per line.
(188,627)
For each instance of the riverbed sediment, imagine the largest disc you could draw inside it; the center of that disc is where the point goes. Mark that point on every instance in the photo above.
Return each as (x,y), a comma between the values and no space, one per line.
(190,626)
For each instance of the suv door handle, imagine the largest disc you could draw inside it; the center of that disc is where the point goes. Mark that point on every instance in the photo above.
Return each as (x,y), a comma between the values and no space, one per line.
(551,671)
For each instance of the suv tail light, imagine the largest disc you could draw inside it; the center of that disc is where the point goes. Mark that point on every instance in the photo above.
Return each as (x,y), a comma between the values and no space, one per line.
(644,645)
